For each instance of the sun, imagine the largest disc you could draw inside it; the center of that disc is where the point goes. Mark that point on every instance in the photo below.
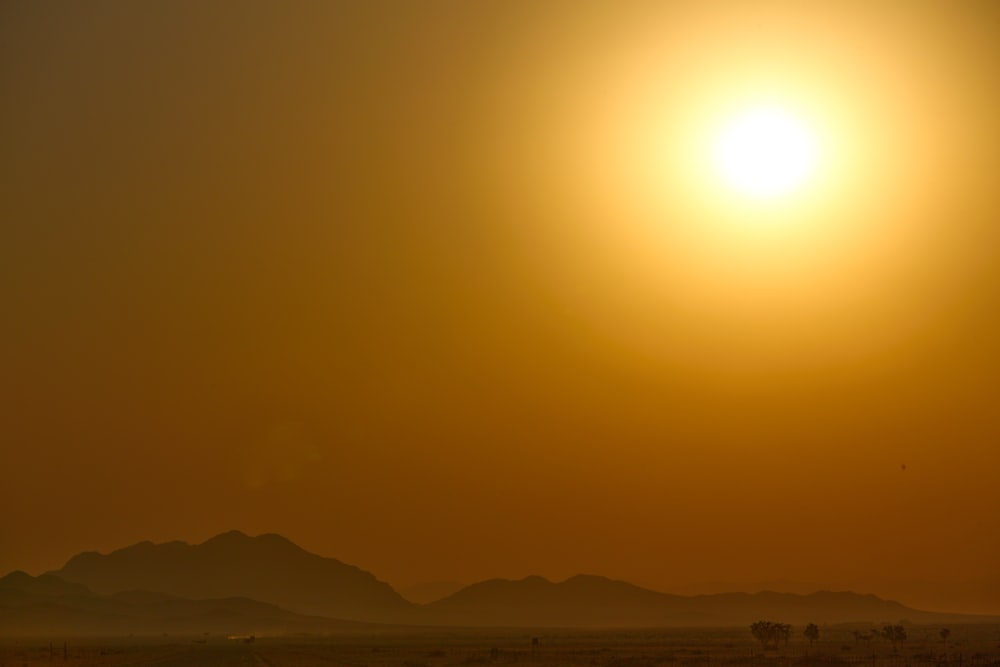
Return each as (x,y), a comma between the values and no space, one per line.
(765,152)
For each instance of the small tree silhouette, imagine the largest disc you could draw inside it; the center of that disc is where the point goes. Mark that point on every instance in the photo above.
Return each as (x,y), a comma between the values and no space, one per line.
(766,633)
(811,632)
(895,634)
(784,630)
(769,633)
(945,633)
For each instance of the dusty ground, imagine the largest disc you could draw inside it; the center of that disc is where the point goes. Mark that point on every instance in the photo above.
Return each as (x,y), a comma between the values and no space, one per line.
(968,646)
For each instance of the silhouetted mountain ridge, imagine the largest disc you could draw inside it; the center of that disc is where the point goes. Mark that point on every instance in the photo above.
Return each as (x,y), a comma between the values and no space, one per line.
(267,567)
(594,601)
(45,605)
(45,584)
(273,570)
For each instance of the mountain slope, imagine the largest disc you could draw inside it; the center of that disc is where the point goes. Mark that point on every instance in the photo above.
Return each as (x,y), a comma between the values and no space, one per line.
(272,570)
(46,584)
(430,591)
(591,601)
(268,568)
(46,605)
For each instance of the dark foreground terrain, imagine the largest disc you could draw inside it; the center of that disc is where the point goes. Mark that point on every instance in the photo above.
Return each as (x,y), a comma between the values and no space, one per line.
(967,646)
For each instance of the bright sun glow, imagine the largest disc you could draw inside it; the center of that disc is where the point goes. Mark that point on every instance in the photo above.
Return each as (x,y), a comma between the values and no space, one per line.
(765,152)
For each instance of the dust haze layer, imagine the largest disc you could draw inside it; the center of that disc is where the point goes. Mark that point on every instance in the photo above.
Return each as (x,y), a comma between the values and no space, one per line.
(434,287)
(233,582)
(47,606)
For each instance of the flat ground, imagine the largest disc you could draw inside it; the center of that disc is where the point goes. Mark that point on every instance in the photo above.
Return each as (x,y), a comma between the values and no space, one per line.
(968,646)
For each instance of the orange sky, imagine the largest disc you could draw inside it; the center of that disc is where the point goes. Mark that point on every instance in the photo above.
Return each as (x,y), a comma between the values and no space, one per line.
(435,288)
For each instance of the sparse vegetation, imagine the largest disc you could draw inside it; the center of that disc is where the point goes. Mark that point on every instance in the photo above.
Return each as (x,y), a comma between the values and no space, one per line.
(865,637)
(812,633)
(895,634)
(725,647)
(769,633)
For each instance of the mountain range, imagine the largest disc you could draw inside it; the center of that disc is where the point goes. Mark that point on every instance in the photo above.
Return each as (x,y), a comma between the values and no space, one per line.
(234,583)
(589,601)
(47,605)
(268,568)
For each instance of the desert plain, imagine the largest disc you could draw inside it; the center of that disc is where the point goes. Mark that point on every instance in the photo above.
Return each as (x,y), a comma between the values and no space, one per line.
(967,646)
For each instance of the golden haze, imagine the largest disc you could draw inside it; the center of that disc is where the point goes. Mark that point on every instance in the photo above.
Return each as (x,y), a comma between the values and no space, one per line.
(449,291)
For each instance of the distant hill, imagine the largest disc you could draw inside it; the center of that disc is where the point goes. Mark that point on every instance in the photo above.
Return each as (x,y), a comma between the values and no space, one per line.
(46,584)
(268,568)
(431,591)
(977,596)
(267,579)
(592,601)
(45,605)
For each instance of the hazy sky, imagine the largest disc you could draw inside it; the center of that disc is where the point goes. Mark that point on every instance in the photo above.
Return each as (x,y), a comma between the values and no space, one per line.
(441,288)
